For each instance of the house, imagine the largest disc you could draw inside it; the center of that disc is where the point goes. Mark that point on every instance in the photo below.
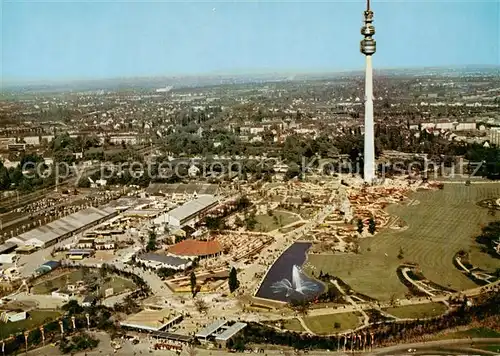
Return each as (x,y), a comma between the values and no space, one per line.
(63,294)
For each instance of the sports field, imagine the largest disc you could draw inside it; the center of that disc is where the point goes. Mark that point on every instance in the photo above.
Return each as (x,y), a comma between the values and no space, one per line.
(443,222)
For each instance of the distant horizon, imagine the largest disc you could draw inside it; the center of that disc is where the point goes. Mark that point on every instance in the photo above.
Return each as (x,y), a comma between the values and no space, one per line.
(74,41)
(236,74)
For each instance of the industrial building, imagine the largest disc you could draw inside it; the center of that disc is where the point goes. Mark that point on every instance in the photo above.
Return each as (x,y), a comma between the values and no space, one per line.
(187,213)
(63,228)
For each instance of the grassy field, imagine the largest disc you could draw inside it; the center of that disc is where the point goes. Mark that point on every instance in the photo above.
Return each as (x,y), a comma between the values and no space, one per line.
(471,333)
(267,223)
(444,222)
(117,283)
(34,319)
(293,325)
(325,324)
(427,310)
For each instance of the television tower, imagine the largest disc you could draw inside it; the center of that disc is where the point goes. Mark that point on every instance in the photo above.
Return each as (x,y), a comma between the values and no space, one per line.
(368,47)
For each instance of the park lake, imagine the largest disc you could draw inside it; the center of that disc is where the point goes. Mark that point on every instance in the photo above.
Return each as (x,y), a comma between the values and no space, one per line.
(285,281)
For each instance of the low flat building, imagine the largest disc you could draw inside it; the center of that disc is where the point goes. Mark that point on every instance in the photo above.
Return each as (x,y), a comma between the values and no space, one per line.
(63,294)
(222,338)
(220,331)
(66,227)
(104,244)
(13,316)
(152,320)
(79,254)
(206,333)
(187,213)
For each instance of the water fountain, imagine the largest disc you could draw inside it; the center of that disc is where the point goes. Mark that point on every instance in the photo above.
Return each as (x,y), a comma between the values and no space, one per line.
(299,284)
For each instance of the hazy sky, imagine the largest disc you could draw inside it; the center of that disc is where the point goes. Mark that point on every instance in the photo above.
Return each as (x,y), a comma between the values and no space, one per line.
(90,39)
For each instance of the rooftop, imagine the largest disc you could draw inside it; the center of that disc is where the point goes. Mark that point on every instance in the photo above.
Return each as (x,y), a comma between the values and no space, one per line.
(7,246)
(66,224)
(231,331)
(153,320)
(196,248)
(192,207)
(210,329)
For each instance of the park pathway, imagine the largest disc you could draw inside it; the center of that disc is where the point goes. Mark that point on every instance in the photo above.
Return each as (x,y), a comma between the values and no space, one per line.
(366,318)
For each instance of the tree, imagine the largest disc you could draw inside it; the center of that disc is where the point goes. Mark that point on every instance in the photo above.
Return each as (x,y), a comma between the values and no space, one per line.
(238,222)
(233,280)
(103,273)
(300,306)
(151,246)
(201,305)
(251,221)
(72,307)
(192,279)
(401,253)
(360,226)
(372,227)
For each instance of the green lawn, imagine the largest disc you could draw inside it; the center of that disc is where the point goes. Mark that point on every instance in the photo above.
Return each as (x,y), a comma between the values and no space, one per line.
(427,310)
(444,222)
(325,324)
(293,325)
(492,348)
(471,333)
(35,318)
(266,223)
(117,283)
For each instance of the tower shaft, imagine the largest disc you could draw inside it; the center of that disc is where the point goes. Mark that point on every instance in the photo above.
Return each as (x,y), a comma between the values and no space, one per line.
(368,48)
(369,154)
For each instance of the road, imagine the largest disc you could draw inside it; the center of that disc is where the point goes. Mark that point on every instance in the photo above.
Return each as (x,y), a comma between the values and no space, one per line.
(445,347)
